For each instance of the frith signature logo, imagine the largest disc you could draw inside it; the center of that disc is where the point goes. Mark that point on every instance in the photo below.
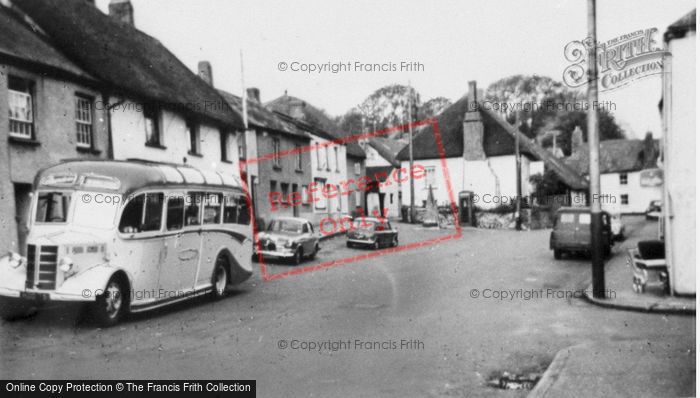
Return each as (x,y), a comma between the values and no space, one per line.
(620,61)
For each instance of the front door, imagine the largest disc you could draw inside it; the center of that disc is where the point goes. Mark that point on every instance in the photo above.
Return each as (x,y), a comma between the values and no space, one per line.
(183,244)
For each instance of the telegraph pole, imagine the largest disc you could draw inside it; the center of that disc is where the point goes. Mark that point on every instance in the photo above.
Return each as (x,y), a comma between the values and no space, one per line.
(598,266)
(519,180)
(410,154)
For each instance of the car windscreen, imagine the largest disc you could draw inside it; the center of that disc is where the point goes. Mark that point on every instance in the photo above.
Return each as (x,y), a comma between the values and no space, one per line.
(364,224)
(286,226)
(52,207)
(566,218)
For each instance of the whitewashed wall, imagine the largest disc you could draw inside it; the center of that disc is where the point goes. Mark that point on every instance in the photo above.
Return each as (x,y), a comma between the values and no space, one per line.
(679,162)
(331,176)
(129,138)
(639,196)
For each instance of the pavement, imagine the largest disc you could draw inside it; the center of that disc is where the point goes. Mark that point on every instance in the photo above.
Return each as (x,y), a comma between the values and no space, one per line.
(648,368)
(470,309)
(619,369)
(618,278)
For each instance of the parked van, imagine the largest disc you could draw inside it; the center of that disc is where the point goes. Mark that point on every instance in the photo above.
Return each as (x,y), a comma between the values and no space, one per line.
(129,236)
(572,231)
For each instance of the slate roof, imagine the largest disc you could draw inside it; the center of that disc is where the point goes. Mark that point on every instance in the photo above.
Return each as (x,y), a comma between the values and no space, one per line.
(318,119)
(263,118)
(19,42)
(127,60)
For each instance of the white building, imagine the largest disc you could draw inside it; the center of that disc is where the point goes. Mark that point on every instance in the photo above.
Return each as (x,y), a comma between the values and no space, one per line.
(629,177)
(679,154)
(474,153)
(328,157)
(159,110)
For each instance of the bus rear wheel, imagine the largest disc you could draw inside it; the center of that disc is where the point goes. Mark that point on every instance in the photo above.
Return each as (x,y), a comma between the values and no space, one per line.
(220,278)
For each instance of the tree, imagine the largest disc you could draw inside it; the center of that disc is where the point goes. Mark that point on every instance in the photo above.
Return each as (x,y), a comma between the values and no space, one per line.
(542,105)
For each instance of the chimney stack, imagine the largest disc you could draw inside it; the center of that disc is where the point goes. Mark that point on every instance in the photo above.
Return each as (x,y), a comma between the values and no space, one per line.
(576,140)
(122,11)
(473,126)
(651,151)
(204,71)
(253,94)
(296,109)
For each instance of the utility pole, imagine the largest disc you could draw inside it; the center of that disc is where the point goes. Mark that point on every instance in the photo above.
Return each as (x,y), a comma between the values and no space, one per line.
(518,179)
(598,267)
(410,154)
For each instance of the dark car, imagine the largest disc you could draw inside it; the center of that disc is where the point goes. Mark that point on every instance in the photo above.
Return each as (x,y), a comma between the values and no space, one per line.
(572,231)
(372,232)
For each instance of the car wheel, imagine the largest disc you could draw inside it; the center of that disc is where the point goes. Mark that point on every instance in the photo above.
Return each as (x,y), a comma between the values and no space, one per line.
(348,244)
(220,278)
(315,252)
(557,254)
(395,241)
(110,307)
(298,256)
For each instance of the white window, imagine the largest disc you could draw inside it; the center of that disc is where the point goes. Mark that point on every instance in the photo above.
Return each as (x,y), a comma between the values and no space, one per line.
(318,157)
(358,168)
(240,140)
(21,108)
(300,163)
(328,160)
(305,197)
(83,121)
(358,199)
(193,135)
(337,160)
(430,176)
(152,123)
(276,147)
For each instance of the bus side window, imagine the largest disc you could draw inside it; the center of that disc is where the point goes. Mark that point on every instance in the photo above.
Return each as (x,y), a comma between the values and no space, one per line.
(243,216)
(175,213)
(230,209)
(131,216)
(192,203)
(212,208)
(153,212)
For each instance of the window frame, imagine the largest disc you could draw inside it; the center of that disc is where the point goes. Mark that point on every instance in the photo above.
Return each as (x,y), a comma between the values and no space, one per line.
(89,124)
(155,115)
(299,158)
(31,93)
(194,137)
(624,179)
(149,233)
(624,199)
(276,149)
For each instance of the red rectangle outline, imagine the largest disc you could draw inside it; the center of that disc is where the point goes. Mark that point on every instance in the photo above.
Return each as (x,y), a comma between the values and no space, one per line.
(344,140)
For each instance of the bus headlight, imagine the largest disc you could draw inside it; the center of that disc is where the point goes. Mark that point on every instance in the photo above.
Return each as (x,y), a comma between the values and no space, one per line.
(65,265)
(16,260)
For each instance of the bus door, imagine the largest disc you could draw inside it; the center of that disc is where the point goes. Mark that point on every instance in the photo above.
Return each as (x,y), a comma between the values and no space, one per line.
(183,227)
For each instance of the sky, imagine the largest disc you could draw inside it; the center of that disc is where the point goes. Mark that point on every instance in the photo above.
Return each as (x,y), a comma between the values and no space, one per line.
(455,41)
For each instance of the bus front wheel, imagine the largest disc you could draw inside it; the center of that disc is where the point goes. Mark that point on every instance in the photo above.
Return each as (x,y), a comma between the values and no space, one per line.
(112,304)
